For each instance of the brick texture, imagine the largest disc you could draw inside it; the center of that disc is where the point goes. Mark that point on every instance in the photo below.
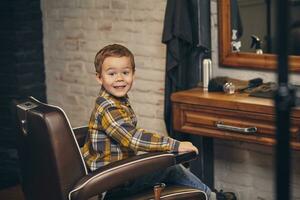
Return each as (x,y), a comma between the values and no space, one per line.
(75,30)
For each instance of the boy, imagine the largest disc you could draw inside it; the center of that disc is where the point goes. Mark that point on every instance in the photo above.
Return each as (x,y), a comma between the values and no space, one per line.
(113,134)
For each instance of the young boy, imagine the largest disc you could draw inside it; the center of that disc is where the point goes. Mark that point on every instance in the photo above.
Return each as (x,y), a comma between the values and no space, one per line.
(113,132)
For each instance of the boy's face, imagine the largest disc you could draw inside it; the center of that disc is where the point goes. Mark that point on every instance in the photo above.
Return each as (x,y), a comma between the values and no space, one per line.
(116,75)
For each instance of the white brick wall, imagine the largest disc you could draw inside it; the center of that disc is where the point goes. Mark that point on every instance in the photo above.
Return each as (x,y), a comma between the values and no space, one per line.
(74,30)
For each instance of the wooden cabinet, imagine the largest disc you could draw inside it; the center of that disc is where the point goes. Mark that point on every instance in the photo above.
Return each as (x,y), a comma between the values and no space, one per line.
(232,117)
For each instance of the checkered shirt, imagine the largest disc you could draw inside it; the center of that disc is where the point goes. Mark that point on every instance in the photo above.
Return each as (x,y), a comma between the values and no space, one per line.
(113,134)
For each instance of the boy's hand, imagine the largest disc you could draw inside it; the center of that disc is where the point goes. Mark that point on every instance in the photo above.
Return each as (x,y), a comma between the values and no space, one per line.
(187,146)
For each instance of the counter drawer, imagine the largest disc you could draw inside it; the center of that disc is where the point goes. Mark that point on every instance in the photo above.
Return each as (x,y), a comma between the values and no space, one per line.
(226,122)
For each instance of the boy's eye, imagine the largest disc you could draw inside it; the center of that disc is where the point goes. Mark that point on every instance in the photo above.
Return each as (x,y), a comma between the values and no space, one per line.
(111,73)
(126,73)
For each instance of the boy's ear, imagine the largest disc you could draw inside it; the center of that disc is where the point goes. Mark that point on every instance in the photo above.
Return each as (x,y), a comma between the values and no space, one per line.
(98,78)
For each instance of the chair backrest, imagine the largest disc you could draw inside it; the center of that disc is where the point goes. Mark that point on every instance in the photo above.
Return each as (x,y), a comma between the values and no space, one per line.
(50,158)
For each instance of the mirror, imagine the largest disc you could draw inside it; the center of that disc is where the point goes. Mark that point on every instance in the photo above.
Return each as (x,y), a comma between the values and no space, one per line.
(231,33)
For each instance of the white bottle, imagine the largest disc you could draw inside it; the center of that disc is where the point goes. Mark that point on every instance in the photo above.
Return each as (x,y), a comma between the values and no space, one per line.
(206,72)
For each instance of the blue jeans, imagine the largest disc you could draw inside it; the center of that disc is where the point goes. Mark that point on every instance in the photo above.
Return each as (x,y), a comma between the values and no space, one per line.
(176,174)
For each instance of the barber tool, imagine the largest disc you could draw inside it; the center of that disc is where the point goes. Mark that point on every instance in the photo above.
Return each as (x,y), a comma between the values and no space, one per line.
(235,43)
(206,72)
(256,43)
(216,84)
(229,88)
(252,84)
(219,83)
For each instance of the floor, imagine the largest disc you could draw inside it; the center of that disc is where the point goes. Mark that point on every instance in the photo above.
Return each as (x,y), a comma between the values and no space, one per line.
(12,193)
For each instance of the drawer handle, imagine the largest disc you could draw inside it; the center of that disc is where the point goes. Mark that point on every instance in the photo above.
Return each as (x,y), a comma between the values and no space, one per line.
(222,126)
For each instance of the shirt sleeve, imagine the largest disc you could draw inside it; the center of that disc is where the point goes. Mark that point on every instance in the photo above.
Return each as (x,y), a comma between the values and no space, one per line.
(118,125)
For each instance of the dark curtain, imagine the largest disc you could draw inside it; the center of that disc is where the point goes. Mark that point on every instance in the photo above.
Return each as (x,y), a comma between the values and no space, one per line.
(187,36)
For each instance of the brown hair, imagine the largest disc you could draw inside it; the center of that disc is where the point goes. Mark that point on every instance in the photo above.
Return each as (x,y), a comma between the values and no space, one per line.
(113,50)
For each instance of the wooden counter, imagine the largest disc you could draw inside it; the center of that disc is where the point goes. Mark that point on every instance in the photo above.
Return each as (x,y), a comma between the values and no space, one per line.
(235,117)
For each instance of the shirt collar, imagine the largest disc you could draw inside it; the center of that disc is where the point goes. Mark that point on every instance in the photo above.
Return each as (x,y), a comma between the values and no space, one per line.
(122,100)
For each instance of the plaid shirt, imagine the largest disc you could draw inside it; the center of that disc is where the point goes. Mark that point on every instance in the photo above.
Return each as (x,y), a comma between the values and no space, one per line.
(113,134)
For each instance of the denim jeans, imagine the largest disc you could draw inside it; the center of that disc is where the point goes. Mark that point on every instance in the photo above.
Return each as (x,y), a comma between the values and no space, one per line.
(176,174)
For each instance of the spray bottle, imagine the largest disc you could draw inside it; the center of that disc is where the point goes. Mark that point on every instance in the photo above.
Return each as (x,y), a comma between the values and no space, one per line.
(256,43)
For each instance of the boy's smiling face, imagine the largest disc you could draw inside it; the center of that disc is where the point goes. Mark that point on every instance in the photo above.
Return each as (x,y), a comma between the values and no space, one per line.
(116,75)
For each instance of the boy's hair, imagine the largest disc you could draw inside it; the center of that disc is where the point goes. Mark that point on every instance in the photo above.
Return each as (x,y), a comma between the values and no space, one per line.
(113,50)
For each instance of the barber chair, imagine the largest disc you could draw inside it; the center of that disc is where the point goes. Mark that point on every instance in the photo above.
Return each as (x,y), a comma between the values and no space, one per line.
(52,167)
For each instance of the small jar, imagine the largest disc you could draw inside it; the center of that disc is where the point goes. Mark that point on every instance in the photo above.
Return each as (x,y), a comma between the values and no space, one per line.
(229,88)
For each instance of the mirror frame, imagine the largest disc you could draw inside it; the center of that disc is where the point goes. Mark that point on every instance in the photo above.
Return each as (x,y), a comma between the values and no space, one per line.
(244,59)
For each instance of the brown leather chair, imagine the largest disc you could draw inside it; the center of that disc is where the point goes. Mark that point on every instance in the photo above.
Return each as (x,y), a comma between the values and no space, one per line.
(53,168)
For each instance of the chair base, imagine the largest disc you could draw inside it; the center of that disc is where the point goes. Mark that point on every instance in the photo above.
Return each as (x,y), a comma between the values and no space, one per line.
(171,192)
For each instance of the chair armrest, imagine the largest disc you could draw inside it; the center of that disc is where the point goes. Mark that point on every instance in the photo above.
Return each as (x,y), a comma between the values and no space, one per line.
(80,134)
(182,157)
(117,173)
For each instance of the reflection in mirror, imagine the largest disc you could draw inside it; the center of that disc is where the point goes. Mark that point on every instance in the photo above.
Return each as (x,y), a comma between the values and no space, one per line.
(231,53)
(253,26)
